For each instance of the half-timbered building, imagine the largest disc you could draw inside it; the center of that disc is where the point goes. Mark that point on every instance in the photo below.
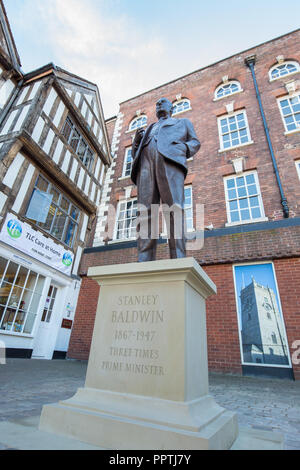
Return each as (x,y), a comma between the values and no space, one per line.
(54,155)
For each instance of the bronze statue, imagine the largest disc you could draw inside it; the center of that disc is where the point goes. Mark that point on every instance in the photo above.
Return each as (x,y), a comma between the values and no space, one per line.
(159,169)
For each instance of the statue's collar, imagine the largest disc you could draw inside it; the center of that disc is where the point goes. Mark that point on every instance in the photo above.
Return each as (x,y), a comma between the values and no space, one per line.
(168,122)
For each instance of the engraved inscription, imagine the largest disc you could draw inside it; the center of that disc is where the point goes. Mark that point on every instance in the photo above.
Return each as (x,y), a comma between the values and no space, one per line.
(137,323)
(135,316)
(138,300)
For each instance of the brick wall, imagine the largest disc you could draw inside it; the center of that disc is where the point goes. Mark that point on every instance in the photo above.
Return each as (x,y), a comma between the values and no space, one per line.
(207,170)
(209,166)
(222,324)
(288,279)
(82,331)
(238,247)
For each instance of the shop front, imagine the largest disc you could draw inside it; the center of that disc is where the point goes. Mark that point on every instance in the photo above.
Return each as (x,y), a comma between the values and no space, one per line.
(37,301)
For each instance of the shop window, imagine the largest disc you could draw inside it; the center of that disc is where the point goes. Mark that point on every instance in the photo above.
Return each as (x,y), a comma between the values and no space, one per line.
(284,69)
(290,112)
(227,89)
(53,212)
(78,143)
(20,294)
(243,198)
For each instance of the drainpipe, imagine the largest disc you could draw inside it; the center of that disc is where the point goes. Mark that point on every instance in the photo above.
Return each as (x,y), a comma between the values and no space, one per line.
(250,61)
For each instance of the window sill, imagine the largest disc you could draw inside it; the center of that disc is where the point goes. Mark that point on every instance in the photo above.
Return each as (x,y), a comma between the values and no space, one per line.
(180,112)
(244,222)
(129,131)
(292,132)
(123,240)
(191,230)
(271,80)
(228,96)
(14,333)
(236,147)
(123,178)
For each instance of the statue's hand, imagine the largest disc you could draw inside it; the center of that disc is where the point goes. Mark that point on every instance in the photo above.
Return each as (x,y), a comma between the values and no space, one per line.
(138,136)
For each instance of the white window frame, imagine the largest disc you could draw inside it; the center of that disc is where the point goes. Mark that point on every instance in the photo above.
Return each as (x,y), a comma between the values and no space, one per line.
(227,116)
(179,102)
(28,312)
(59,209)
(127,150)
(115,239)
(288,97)
(297,163)
(293,62)
(190,186)
(130,129)
(88,157)
(263,218)
(235,82)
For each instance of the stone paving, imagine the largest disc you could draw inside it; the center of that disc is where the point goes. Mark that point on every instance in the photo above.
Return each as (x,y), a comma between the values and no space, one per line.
(260,403)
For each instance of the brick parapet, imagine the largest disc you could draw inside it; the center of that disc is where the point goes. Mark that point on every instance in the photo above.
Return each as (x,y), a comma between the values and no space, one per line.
(238,247)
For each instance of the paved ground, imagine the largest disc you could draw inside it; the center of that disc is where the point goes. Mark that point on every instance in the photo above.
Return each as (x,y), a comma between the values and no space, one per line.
(265,404)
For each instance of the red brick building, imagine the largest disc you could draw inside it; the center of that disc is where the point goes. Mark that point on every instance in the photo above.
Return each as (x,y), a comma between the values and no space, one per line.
(246,112)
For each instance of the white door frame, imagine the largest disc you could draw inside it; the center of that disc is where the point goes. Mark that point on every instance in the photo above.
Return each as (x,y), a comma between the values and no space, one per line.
(47,332)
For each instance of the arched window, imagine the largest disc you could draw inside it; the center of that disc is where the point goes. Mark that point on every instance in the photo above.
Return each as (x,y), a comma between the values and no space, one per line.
(180,106)
(137,122)
(227,89)
(286,68)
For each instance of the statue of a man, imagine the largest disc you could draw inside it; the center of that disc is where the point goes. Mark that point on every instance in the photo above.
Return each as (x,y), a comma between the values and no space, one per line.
(159,169)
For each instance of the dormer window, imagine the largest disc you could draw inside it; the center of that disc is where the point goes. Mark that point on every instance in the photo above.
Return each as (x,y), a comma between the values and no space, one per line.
(227,89)
(136,123)
(281,70)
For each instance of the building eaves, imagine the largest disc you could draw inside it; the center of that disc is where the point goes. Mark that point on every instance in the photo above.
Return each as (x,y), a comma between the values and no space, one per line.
(14,55)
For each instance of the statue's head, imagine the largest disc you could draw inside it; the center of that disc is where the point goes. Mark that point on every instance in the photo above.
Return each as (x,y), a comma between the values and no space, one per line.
(164,108)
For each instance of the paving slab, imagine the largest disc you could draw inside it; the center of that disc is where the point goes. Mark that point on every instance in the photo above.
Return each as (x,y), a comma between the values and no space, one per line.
(262,404)
(24,435)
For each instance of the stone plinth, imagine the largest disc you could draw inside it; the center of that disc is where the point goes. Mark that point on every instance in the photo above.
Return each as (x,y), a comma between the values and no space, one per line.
(147,379)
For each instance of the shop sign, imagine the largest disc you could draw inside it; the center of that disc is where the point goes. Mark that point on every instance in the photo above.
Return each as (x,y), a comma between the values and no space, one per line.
(23,237)
(66,324)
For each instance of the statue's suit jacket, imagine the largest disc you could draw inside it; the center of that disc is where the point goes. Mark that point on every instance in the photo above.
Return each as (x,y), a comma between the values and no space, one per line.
(176,141)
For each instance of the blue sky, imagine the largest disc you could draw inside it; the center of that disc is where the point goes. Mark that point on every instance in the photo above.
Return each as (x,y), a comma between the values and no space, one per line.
(130,46)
